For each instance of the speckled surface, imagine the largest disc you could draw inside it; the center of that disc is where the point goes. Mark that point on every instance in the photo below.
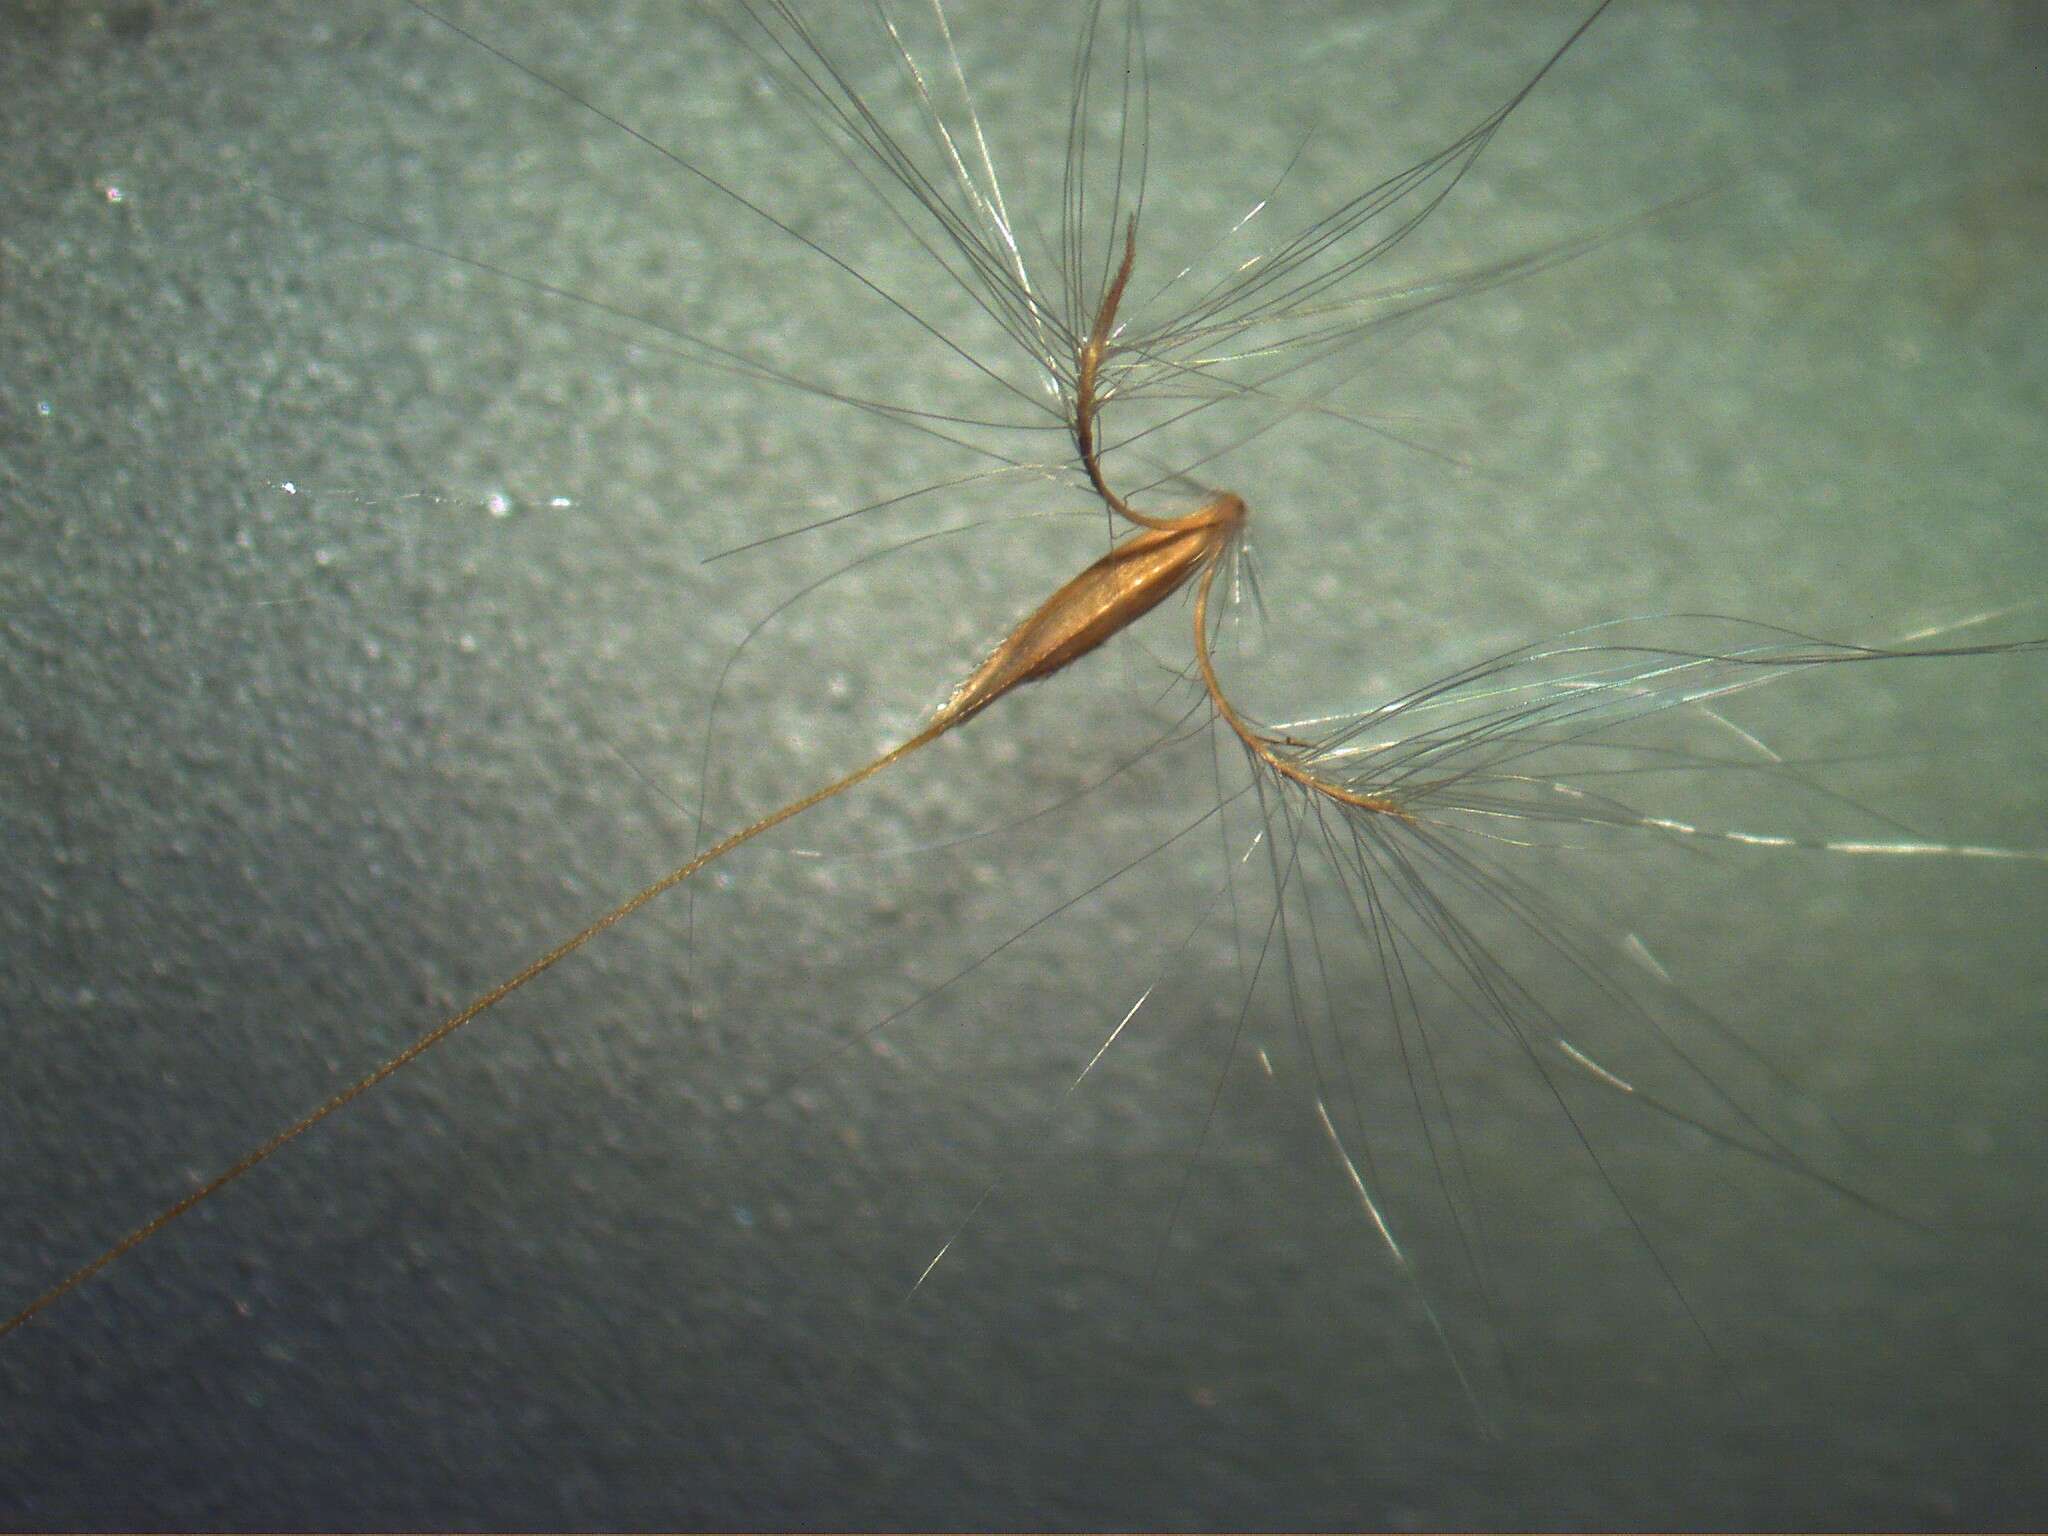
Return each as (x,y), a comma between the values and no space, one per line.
(288,775)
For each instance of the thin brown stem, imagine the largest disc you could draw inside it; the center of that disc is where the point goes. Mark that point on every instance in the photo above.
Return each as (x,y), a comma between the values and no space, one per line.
(259,1155)
(1266,748)
(1087,387)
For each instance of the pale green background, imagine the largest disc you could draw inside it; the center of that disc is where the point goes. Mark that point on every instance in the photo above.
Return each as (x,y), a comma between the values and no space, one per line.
(288,777)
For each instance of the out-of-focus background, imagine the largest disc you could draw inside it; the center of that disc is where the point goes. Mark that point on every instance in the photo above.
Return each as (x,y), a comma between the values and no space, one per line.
(357,645)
